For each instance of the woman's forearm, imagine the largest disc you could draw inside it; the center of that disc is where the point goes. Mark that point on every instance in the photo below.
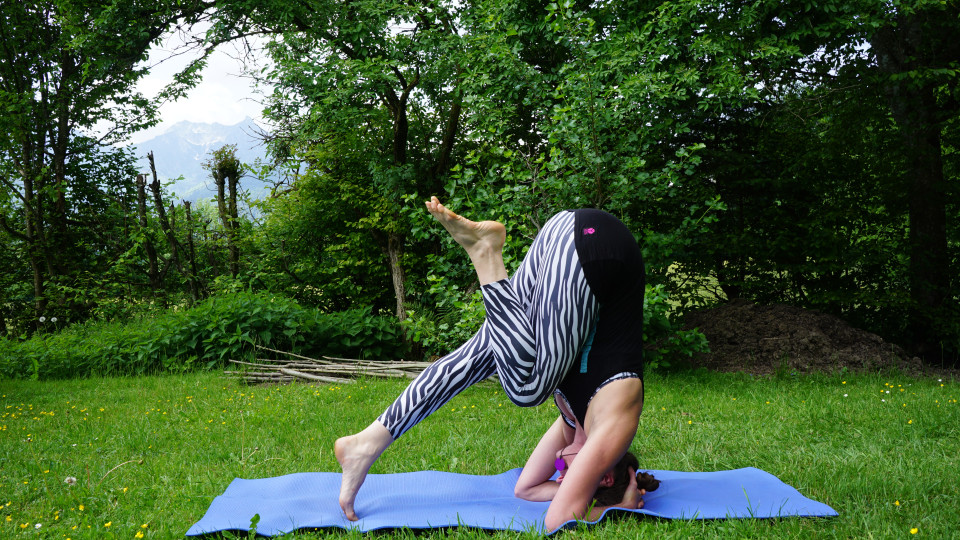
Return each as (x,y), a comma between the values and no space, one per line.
(534,483)
(538,493)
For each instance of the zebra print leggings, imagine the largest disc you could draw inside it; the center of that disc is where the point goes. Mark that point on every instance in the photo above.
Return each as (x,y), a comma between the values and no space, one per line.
(537,322)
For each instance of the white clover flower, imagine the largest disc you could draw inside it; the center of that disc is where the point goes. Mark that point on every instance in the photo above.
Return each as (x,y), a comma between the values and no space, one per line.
(70,480)
(43,319)
(37,526)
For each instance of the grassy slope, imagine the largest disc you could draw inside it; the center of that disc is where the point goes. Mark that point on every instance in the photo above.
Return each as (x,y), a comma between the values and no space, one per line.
(154,451)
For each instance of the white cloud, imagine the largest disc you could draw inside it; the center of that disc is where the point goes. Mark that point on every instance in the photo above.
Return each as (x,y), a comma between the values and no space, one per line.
(223,96)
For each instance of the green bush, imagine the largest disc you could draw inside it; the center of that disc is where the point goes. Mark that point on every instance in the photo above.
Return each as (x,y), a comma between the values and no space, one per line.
(446,320)
(666,344)
(203,337)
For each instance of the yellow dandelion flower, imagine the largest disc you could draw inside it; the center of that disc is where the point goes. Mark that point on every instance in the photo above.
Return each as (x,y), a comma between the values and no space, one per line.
(689,421)
(896,503)
(144,526)
(81,507)
(107,524)
(9,519)
(139,534)
(914,530)
(909,421)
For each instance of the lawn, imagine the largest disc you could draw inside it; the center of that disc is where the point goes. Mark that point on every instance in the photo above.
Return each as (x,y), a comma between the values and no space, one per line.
(143,457)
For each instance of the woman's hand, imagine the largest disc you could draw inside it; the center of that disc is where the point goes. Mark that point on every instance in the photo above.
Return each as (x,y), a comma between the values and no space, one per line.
(632,497)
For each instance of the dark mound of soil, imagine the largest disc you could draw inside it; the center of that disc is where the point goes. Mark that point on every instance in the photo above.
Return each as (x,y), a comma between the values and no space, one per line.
(763,339)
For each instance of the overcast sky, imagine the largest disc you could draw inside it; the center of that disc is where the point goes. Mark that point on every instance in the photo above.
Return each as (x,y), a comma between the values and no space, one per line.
(223,97)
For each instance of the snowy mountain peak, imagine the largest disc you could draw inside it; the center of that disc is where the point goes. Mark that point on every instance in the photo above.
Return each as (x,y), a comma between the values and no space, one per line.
(182,149)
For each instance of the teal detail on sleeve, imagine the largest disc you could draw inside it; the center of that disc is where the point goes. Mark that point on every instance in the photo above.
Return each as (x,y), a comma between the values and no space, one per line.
(586,350)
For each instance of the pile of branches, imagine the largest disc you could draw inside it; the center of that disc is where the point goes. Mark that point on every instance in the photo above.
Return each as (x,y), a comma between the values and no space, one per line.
(324,369)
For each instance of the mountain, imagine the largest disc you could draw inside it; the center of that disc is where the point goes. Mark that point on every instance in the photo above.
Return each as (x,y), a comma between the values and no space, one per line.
(185,146)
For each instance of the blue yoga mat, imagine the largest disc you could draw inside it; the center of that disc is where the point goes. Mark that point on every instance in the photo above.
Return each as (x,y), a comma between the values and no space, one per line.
(432,499)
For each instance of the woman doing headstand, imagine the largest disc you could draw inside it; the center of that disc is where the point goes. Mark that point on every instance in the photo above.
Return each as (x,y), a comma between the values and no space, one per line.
(568,324)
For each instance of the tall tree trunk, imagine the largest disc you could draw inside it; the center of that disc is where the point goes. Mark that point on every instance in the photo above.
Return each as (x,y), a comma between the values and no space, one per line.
(165,222)
(394,252)
(58,241)
(450,131)
(393,245)
(929,255)
(192,254)
(34,237)
(227,208)
(233,233)
(900,49)
(211,253)
(152,273)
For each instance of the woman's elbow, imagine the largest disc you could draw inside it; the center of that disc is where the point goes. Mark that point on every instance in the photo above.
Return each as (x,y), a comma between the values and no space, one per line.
(535,492)
(524,492)
(553,522)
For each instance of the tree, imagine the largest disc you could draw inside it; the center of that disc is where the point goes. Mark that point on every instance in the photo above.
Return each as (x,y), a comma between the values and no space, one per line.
(820,122)
(373,88)
(226,170)
(918,55)
(65,67)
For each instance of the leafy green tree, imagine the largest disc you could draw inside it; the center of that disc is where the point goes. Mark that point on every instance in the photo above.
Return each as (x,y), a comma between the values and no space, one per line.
(828,156)
(67,67)
(918,56)
(783,112)
(315,245)
(372,89)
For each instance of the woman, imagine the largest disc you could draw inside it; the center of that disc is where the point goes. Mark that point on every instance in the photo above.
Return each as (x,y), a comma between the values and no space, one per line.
(568,324)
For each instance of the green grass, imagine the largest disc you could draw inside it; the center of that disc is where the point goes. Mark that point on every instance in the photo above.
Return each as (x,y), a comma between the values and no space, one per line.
(149,454)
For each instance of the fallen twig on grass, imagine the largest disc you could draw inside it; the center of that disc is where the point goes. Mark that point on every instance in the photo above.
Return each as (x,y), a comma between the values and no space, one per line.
(324,369)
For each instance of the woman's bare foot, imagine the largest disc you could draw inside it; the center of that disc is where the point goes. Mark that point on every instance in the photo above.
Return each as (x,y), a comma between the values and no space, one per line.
(483,241)
(356,454)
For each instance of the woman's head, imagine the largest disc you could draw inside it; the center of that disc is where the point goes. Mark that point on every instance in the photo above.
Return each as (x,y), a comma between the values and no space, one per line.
(609,496)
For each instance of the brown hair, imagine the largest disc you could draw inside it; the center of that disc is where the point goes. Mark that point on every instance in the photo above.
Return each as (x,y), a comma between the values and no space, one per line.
(609,496)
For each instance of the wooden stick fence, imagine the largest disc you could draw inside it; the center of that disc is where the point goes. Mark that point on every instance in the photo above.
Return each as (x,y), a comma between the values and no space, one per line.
(324,369)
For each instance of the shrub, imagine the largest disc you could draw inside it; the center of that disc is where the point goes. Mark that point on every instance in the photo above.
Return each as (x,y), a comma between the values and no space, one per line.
(203,337)
(666,344)
(453,317)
